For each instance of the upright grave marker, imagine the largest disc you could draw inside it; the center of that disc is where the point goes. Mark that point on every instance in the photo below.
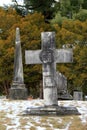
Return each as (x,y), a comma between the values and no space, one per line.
(18,90)
(48,56)
(62,87)
(78,95)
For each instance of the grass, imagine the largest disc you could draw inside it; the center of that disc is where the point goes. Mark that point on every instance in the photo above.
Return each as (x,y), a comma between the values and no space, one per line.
(51,123)
(77,122)
(48,122)
(2,127)
(2,120)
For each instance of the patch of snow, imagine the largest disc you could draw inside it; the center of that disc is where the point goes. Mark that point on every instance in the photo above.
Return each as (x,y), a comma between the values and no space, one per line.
(66,128)
(68,125)
(60,120)
(13,110)
(40,128)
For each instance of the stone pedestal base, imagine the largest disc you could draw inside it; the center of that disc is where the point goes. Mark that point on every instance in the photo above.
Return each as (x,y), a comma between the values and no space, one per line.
(18,92)
(52,110)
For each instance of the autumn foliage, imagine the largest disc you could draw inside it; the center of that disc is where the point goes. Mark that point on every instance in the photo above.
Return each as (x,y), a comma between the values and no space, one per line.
(72,34)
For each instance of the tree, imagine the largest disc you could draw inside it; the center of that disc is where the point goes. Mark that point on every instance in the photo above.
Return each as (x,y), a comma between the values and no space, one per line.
(31,27)
(84,5)
(46,7)
(73,34)
(58,19)
(81,15)
(7,19)
(67,8)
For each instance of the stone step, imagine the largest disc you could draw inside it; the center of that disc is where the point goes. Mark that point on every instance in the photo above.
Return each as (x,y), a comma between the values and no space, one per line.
(52,110)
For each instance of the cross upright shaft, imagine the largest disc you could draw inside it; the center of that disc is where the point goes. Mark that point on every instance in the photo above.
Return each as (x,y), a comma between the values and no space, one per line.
(49,68)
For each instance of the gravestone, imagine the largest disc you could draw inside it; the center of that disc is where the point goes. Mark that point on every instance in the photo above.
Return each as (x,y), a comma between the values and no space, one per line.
(48,56)
(78,95)
(18,90)
(62,90)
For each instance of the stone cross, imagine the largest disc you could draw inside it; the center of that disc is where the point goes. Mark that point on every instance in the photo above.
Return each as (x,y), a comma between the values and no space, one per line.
(48,56)
(18,90)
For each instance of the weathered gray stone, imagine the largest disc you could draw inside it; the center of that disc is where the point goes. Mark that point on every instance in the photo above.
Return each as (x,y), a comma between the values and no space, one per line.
(33,57)
(78,95)
(63,56)
(49,56)
(52,110)
(18,66)
(18,90)
(62,90)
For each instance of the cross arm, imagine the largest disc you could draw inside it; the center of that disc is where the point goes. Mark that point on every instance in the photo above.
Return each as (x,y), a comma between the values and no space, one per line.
(32,57)
(64,55)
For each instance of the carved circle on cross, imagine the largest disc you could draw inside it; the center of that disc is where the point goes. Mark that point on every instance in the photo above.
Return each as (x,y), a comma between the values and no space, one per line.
(47,56)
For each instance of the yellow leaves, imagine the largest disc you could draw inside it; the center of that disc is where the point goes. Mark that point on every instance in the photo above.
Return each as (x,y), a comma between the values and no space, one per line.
(71,32)
(81,54)
(68,24)
(37,68)
(83,76)
(84,27)
(1,43)
(56,27)
(8,55)
(36,19)
(7,20)
(67,36)
(31,27)
(33,44)
(78,27)
(10,51)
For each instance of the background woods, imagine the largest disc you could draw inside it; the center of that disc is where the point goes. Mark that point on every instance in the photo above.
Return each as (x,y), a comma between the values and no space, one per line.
(71,32)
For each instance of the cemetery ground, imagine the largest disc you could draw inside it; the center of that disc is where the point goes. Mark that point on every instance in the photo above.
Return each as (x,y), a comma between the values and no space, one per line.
(12,116)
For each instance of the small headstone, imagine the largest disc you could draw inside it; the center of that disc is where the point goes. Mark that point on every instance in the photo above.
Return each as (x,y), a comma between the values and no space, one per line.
(62,90)
(18,90)
(78,95)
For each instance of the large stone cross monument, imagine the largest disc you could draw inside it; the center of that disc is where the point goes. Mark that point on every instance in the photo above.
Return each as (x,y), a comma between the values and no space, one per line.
(48,56)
